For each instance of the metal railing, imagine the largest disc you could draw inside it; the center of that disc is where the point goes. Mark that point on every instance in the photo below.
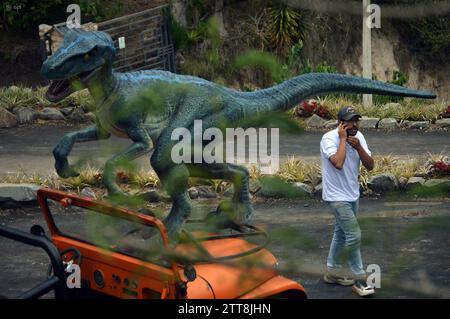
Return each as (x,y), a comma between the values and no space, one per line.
(142,39)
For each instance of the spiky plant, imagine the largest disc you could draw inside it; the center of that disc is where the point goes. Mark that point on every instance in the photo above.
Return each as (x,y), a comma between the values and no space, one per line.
(17,96)
(283,28)
(293,170)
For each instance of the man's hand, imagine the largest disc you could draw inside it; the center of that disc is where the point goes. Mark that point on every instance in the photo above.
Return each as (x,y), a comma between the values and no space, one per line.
(354,142)
(338,159)
(342,130)
(366,159)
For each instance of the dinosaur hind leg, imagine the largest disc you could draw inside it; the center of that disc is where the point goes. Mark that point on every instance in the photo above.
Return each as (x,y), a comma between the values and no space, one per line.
(174,178)
(240,210)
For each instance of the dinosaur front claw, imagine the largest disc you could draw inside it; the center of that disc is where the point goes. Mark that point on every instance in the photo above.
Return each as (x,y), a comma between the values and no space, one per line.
(235,213)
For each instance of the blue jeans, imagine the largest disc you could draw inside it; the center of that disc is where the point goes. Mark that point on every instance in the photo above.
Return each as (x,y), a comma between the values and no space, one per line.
(346,239)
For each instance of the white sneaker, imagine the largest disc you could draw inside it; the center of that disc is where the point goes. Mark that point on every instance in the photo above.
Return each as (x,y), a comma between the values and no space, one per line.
(339,280)
(362,289)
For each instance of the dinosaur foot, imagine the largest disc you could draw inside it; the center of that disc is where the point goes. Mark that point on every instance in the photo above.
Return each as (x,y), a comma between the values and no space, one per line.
(65,170)
(230,214)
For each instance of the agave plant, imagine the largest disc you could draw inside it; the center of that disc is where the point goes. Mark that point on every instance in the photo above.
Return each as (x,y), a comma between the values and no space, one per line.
(293,170)
(283,29)
(144,178)
(17,96)
(364,178)
(255,172)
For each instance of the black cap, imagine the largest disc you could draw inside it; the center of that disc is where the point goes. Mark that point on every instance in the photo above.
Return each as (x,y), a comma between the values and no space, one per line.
(347,113)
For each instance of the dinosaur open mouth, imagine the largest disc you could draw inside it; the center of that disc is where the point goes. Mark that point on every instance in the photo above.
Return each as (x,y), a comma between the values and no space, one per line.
(59,89)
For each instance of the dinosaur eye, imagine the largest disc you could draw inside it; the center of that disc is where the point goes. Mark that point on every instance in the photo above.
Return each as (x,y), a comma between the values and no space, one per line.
(86,57)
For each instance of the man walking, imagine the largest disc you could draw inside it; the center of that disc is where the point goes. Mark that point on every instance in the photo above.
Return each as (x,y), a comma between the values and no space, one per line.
(341,150)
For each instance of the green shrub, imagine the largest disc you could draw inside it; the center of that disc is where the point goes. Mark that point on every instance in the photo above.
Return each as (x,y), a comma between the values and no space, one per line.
(274,186)
(284,28)
(264,61)
(207,62)
(184,38)
(100,10)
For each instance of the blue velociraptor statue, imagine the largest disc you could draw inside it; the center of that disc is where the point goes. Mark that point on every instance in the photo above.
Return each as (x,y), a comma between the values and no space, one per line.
(146,106)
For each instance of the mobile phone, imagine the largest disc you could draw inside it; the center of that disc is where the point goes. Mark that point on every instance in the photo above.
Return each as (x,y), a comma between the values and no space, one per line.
(349,132)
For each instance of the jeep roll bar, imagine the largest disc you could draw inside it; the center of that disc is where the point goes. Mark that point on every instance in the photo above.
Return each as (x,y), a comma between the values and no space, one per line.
(57,282)
(104,208)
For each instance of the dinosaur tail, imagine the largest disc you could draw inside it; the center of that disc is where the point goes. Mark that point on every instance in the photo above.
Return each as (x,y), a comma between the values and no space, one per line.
(291,92)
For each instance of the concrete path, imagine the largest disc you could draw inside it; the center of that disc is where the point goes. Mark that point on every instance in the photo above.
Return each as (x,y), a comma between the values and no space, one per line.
(30,147)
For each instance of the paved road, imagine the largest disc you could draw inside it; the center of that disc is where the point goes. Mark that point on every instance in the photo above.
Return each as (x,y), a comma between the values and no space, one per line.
(408,239)
(31,147)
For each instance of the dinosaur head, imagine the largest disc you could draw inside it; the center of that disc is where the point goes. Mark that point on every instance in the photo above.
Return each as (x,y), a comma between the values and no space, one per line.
(81,56)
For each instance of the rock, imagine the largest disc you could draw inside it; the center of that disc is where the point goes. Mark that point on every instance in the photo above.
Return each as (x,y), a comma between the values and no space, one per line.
(193,193)
(25,114)
(18,192)
(316,121)
(443,123)
(418,125)
(331,124)
(437,182)
(317,191)
(305,187)
(405,124)
(50,113)
(206,192)
(368,122)
(388,123)
(77,116)
(7,119)
(88,192)
(90,117)
(67,110)
(402,182)
(152,196)
(367,192)
(414,182)
(383,183)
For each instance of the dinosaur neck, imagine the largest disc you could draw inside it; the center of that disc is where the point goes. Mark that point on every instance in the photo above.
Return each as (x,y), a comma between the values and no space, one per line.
(103,85)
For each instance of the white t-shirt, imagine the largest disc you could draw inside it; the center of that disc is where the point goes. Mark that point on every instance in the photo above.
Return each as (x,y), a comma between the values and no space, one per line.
(340,185)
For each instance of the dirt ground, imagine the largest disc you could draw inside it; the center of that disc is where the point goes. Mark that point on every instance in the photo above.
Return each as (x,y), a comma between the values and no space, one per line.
(408,239)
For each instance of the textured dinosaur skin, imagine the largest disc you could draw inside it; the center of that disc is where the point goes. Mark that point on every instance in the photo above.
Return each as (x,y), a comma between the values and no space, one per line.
(146,106)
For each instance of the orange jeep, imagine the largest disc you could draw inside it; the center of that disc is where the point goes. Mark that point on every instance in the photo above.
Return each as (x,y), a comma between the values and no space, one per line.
(115,261)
